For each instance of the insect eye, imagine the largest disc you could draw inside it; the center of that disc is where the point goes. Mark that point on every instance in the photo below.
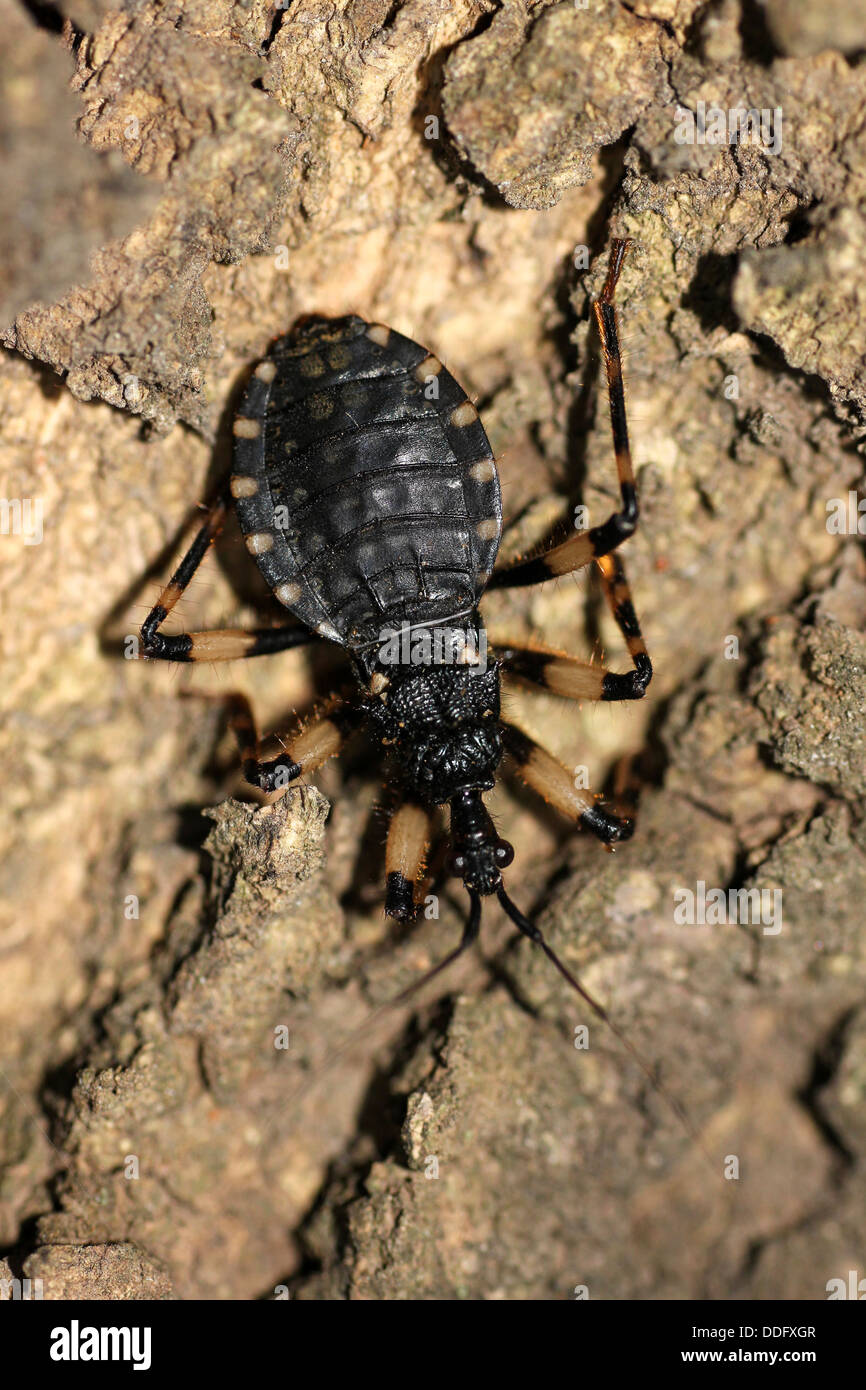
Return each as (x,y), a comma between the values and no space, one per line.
(457,865)
(504,854)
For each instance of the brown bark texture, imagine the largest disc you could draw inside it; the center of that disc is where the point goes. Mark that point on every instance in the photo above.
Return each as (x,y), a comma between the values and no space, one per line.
(191,1102)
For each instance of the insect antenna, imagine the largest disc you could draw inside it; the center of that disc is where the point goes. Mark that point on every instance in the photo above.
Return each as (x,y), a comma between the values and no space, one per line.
(534,933)
(470,934)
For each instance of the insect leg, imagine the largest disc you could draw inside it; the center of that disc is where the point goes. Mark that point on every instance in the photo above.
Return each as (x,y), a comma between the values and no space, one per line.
(629,685)
(589,545)
(305,750)
(225,644)
(581,680)
(408,838)
(548,777)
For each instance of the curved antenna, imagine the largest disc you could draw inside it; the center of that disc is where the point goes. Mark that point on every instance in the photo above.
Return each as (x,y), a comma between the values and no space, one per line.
(470,934)
(529,929)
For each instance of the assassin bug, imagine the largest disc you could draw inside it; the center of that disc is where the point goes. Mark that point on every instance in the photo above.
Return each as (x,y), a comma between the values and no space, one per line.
(368,496)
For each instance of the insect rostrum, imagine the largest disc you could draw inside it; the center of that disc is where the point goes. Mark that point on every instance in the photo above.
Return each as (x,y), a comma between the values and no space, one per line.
(369,498)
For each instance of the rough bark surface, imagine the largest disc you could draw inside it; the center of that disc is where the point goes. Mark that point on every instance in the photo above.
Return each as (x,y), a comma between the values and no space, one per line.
(186,1107)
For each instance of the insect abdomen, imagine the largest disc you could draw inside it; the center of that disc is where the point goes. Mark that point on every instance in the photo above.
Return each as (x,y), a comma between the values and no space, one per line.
(377,494)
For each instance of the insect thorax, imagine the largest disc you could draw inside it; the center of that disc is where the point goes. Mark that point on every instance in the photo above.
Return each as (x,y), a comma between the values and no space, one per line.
(441,722)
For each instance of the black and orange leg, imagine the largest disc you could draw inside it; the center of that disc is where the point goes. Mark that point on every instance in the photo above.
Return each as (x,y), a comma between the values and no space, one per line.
(598,541)
(224,644)
(405,856)
(582,680)
(312,744)
(628,685)
(548,777)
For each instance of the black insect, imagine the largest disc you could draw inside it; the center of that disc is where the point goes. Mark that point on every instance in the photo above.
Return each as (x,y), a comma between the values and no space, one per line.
(368,495)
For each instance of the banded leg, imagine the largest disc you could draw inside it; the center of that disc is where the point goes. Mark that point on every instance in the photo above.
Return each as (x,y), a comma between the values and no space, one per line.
(581,680)
(224,644)
(405,855)
(310,746)
(547,776)
(632,684)
(589,545)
